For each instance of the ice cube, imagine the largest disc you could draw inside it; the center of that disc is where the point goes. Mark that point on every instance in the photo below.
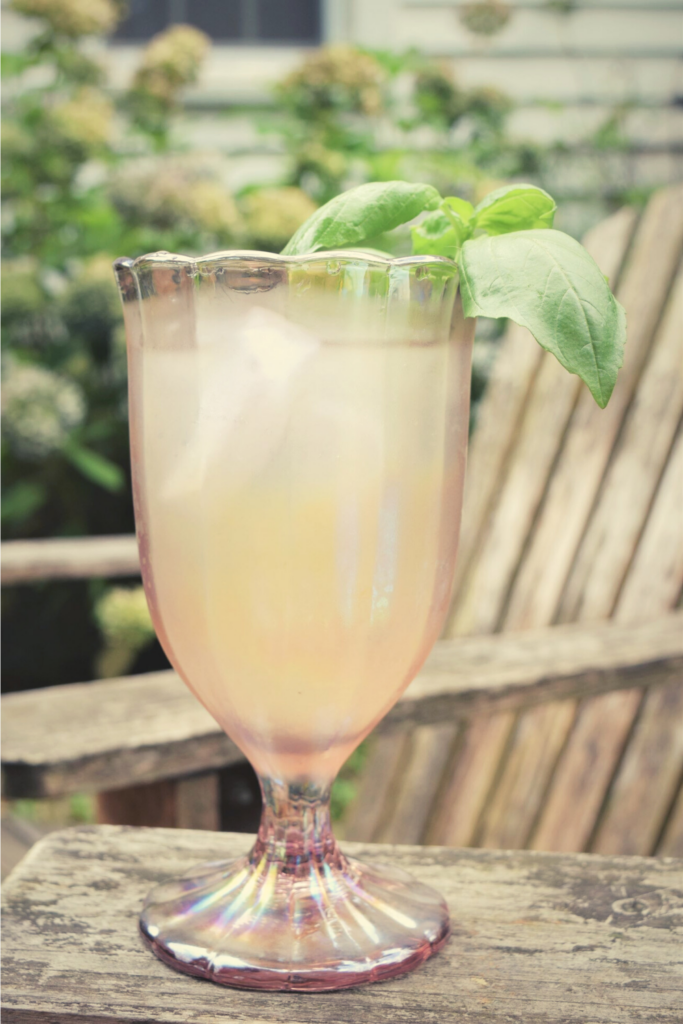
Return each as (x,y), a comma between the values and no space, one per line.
(245,382)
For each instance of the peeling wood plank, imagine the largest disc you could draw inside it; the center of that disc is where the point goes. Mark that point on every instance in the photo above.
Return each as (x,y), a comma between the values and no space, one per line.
(68,558)
(539,938)
(114,733)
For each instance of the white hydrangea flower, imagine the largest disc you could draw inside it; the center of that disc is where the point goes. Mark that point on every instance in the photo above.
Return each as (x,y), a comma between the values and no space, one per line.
(86,118)
(40,408)
(172,60)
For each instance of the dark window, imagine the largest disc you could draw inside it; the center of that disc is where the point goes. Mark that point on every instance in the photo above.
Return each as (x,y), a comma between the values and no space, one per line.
(145,19)
(236,21)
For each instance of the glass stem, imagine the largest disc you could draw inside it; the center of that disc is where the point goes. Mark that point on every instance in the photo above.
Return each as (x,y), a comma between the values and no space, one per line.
(296,829)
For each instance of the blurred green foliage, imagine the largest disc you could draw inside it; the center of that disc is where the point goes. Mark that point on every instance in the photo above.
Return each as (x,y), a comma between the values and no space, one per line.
(347,116)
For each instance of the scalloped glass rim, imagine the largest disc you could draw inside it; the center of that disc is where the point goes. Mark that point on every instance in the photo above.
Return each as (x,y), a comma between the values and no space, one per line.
(169,259)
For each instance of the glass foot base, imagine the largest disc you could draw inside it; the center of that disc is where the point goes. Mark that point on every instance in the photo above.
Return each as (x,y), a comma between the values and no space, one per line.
(317,926)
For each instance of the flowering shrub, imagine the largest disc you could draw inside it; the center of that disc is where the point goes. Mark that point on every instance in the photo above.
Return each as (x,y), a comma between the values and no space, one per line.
(73,18)
(171,61)
(40,408)
(181,193)
(272,215)
(357,116)
(335,78)
(85,119)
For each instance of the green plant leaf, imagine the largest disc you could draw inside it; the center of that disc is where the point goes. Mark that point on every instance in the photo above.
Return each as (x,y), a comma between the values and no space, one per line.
(361,213)
(458,212)
(21,500)
(459,206)
(547,282)
(514,208)
(436,236)
(95,467)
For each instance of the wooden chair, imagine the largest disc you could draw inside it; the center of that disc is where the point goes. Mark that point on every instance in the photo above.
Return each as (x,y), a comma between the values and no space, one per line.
(557,738)
(572,514)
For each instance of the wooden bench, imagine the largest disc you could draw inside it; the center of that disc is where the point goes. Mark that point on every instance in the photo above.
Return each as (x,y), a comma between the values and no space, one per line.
(537,937)
(571,514)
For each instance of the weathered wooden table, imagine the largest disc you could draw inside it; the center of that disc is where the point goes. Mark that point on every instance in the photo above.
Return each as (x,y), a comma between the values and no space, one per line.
(537,937)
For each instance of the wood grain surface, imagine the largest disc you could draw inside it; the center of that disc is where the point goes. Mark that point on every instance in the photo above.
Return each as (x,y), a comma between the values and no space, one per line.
(113,733)
(537,938)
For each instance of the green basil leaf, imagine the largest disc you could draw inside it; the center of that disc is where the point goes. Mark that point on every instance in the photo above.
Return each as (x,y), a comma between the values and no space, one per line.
(458,212)
(361,213)
(463,209)
(95,467)
(436,236)
(514,208)
(547,282)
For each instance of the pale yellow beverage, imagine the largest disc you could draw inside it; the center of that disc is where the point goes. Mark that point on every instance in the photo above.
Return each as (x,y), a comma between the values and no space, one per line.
(300,507)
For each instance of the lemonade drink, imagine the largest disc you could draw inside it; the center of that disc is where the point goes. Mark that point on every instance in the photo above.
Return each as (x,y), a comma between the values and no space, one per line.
(300,505)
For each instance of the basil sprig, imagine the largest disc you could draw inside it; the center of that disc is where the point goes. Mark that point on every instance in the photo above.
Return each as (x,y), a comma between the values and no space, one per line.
(511,262)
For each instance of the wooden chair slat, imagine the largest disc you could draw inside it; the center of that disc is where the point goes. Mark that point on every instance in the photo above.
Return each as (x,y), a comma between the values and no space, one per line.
(429,751)
(539,938)
(585,769)
(581,466)
(537,740)
(470,780)
(69,558)
(372,805)
(648,778)
(481,602)
(655,578)
(632,478)
(502,407)
(671,844)
(499,419)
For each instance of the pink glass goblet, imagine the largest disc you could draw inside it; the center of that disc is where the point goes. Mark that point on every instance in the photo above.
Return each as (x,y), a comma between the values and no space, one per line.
(298,438)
